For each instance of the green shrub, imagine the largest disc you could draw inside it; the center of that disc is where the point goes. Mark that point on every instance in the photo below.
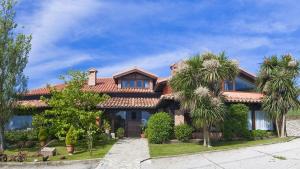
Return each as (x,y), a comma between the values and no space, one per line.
(259,134)
(103,138)
(71,138)
(43,134)
(32,135)
(160,128)
(183,132)
(13,137)
(120,133)
(236,122)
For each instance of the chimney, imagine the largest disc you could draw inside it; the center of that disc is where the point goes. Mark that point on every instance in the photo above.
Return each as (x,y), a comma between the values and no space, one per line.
(177,67)
(92,76)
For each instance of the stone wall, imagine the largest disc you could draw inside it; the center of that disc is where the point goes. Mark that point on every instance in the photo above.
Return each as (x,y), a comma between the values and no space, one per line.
(293,127)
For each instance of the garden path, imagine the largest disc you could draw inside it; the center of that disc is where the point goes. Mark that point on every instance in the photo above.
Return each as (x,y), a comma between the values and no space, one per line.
(126,154)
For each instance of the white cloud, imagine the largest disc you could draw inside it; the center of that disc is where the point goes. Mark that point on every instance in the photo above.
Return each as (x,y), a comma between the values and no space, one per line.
(150,63)
(53,22)
(236,45)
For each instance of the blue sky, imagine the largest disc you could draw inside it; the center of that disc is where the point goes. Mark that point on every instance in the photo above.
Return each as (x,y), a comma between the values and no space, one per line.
(114,35)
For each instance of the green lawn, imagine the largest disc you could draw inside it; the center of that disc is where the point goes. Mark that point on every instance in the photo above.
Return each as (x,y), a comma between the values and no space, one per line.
(159,150)
(294,113)
(81,151)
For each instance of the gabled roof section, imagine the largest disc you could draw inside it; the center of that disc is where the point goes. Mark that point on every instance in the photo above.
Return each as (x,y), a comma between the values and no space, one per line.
(134,70)
(248,74)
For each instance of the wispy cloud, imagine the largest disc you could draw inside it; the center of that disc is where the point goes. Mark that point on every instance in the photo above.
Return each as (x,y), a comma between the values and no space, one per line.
(51,24)
(114,35)
(151,63)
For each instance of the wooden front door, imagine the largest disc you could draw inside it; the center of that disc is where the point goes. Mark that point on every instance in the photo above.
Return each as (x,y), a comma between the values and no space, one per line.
(133,124)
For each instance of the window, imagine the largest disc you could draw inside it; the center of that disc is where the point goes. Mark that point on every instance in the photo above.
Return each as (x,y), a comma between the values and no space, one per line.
(135,83)
(132,83)
(20,122)
(228,85)
(243,85)
(145,117)
(262,122)
(139,84)
(125,84)
(146,84)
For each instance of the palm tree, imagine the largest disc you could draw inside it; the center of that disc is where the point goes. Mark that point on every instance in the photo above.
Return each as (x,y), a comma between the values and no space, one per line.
(277,80)
(198,83)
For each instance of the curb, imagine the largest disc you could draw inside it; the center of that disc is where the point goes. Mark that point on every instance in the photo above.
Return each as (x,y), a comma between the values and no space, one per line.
(212,151)
(51,163)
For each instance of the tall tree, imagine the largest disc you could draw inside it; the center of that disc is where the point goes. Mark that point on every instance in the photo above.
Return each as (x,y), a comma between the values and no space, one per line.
(277,80)
(71,106)
(14,50)
(198,85)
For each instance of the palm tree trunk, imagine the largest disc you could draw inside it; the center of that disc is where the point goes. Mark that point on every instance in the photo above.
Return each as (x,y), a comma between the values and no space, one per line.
(283,134)
(2,138)
(277,127)
(204,134)
(208,138)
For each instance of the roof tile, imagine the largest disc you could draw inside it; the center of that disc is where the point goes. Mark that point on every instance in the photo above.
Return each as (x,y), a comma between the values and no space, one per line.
(123,102)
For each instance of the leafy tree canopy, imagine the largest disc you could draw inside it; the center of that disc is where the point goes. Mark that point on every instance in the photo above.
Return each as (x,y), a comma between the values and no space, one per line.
(70,106)
(14,50)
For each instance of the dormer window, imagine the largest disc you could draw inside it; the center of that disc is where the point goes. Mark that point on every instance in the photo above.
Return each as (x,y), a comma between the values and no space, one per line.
(135,83)
(135,78)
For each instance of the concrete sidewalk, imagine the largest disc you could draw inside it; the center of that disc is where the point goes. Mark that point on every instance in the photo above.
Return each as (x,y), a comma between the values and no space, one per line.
(126,154)
(275,156)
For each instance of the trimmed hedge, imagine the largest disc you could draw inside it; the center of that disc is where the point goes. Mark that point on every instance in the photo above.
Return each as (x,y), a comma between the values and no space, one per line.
(236,122)
(183,132)
(160,128)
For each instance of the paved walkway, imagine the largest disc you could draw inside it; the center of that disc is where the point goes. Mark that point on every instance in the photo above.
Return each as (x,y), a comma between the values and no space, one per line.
(126,154)
(275,156)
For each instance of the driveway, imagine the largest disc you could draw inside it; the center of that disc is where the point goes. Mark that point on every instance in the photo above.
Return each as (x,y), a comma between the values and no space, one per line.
(275,156)
(126,154)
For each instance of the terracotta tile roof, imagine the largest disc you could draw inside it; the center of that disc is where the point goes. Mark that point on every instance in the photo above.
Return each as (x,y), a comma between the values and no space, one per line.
(123,102)
(43,90)
(103,85)
(33,103)
(243,97)
(232,97)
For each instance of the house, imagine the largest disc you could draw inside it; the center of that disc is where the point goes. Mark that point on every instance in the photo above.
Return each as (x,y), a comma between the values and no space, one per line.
(135,94)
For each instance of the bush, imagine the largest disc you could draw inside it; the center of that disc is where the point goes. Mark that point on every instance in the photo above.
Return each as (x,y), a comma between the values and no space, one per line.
(20,137)
(120,133)
(103,138)
(160,128)
(71,138)
(259,134)
(183,132)
(29,144)
(43,134)
(236,122)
